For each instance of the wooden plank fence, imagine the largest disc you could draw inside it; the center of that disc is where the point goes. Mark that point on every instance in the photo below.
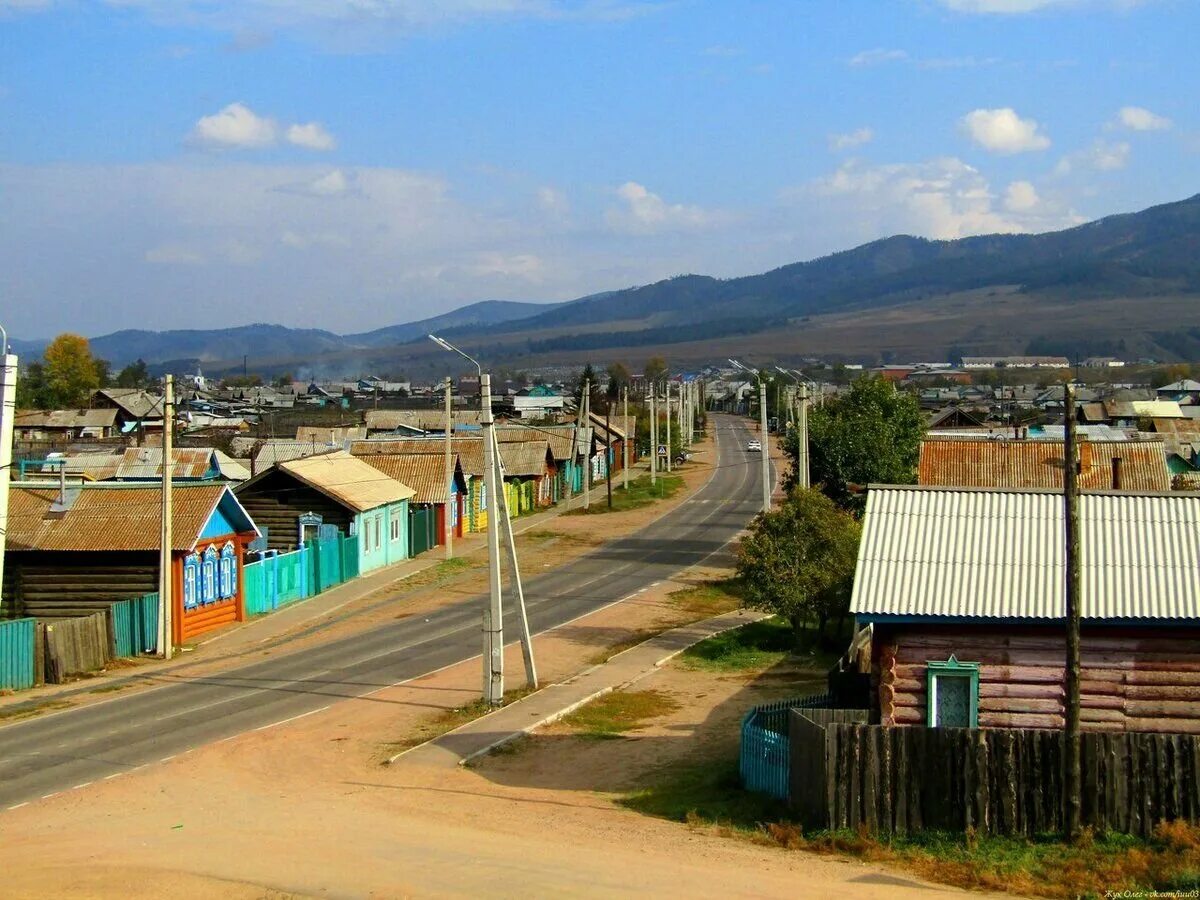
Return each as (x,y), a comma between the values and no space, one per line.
(996,781)
(75,646)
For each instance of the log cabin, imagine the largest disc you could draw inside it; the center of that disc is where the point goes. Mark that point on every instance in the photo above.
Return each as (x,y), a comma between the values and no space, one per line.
(963,590)
(331,489)
(76,549)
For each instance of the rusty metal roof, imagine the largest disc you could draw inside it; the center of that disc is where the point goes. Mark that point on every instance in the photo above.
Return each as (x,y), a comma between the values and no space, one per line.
(560,437)
(1004,463)
(525,459)
(425,473)
(146,463)
(109,516)
(976,553)
(65,418)
(347,480)
(423,419)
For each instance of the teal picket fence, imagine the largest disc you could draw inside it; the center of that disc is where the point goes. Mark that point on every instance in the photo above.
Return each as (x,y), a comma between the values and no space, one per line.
(280,579)
(764,760)
(17,637)
(135,625)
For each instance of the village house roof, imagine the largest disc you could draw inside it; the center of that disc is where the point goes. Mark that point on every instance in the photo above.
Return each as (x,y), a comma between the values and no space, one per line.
(65,418)
(278,450)
(419,419)
(134,402)
(469,450)
(115,516)
(425,473)
(524,459)
(1187,385)
(1156,409)
(560,437)
(347,480)
(962,553)
(1006,463)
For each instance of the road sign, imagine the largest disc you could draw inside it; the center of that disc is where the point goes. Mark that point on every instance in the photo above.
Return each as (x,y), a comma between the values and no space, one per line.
(662,449)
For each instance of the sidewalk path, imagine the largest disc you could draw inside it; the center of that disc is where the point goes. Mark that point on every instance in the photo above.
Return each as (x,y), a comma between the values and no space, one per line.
(557,700)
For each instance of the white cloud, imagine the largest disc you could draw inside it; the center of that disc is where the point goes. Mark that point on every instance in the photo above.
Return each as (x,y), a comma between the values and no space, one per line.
(1019,7)
(235,126)
(1021,197)
(644,212)
(1138,118)
(941,198)
(553,201)
(1003,131)
(1101,156)
(851,139)
(877,57)
(312,136)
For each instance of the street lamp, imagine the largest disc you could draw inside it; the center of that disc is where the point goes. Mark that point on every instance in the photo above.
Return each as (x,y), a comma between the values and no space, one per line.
(766,443)
(801,429)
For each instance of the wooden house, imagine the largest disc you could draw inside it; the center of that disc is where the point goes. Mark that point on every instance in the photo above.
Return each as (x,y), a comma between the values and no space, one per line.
(963,590)
(292,497)
(64,425)
(468,452)
(437,504)
(137,411)
(529,475)
(75,551)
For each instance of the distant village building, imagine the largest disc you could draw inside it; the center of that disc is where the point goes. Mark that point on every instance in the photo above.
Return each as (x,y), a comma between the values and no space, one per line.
(64,424)
(1015,362)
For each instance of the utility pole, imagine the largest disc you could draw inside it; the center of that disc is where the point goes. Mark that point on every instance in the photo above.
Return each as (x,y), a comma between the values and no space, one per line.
(668,425)
(514,570)
(586,400)
(608,450)
(766,445)
(802,436)
(493,620)
(653,436)
(451,513)
(1072,777)
(8,409)
(628,437)
(166,629)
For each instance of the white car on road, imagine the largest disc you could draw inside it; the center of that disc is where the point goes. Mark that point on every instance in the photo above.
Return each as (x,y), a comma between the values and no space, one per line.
(755,445)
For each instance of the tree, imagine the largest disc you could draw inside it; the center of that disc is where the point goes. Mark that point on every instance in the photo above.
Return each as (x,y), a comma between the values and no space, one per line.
(618,379)
(588,377)
(71,371)
(103,372)
(872,434)
(134,375)
(655,370)
(798,560)
(33,392)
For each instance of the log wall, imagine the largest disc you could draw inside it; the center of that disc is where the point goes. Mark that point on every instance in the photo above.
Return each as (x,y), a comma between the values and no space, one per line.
(278,501)
(57,585)
(1133,679)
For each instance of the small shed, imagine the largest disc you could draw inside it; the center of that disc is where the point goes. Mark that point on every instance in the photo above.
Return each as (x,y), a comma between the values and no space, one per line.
(76,551)
(964,592)
(331,489)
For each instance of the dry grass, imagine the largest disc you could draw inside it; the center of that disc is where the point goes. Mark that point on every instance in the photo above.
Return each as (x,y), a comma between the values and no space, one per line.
(617,712)
(36,709)
(709,598)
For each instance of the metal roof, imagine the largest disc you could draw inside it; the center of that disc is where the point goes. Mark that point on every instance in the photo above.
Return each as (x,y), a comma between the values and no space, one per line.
(134,402)
(283,450)
(347,480)
(424,419)
(524,459)
(146,462)
(972,553)
(425,473)
(109,516)
(1156,409)
(560,437)
(65,418)
(1035,463)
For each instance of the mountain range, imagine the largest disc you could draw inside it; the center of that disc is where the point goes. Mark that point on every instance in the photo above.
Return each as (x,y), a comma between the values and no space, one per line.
(1123,285)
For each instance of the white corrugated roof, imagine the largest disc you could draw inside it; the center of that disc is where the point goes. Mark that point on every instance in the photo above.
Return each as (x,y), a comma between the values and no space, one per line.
(348,480)
(978,553)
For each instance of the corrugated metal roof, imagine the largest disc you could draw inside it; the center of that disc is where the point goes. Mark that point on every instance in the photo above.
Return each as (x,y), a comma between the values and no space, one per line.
(146,462)
(561,438)
(108,516)
(425,473)
(65,418)
(469,450)
(1156,409)
(284,450)
(134,402)
(524,459)
(983,462)
(348,480)
(230,469)
(964,553)
(424,419)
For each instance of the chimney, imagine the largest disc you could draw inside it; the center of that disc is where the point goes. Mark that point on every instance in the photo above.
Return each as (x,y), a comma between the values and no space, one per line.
(1116,473)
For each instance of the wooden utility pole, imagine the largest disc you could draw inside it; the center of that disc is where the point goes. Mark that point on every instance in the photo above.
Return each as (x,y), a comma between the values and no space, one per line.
(625,443)
(653,436)
(166,629)
(1072,776)
(451,496)
(668,425)
(608,461)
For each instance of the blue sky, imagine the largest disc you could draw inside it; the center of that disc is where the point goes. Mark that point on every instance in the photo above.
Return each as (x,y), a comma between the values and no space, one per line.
(199,163)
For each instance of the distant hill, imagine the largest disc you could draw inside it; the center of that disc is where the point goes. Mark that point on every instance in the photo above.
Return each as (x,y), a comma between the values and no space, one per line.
(1124,285)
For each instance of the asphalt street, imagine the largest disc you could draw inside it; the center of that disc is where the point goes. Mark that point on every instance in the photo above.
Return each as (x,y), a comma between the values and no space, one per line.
(72,748)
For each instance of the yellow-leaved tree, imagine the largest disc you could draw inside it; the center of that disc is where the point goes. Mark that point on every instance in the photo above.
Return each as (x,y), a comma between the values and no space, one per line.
(71,370)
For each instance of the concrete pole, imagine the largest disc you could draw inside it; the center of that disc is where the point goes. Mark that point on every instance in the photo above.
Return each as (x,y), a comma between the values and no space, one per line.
(451,512)
(1072,775)
(668,426)
(8,409)
(653,436)
(766,445)
(493,621)
(166,631)
(630,434)
(514,570)
(802,437)
(586,401)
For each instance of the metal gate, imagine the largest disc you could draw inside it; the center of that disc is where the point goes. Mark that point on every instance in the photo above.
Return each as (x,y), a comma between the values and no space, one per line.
(422,529)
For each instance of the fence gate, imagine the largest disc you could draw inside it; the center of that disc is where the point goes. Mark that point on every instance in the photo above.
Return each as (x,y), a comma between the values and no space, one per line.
(422,529)
(17,639)
(135,625)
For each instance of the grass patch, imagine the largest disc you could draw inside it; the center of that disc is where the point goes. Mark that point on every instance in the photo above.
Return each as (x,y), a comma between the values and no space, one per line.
(707,795)
(448,720)
(640,493)
(616,712)
(621,646)
(36,709)
(754,646)
(710,598)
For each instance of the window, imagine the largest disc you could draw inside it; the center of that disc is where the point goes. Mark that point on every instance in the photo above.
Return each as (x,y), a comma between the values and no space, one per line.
(378,530)
(228,571)
(953,694)
(395,528)
(208,576)
(191,579)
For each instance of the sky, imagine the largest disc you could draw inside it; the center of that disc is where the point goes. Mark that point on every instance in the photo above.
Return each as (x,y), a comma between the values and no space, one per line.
(350,165)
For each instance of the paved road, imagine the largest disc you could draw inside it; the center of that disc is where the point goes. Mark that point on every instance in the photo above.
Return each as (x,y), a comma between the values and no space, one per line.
(60,751)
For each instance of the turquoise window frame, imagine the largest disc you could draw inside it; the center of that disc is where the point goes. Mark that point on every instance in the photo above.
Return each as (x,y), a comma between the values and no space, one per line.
(227,572)
(950,668)
(191,581)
